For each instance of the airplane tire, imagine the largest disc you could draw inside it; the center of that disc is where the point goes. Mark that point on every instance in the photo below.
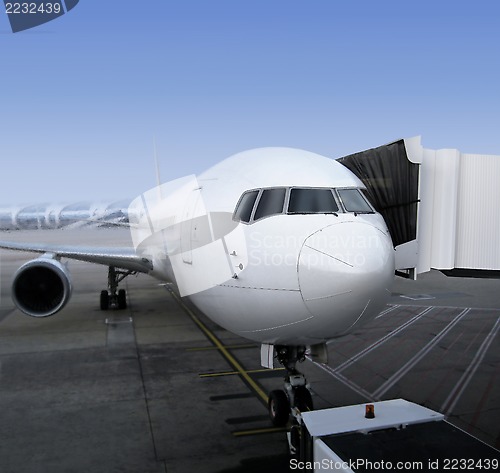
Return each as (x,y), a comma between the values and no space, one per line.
(122,299)
(279,408)
(303,399)
(104,302)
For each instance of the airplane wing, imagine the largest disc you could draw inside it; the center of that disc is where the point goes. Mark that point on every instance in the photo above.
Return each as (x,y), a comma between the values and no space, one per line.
(124,258)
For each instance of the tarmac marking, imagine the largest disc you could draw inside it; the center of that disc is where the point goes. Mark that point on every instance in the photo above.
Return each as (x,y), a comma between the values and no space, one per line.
(445,379)
(418,356)
(381,341)
(229,347)
(347,382)
(452,399)
(231,397)
(231,373)
(120,330)
(453,307)
(223,350)
(116,321)
(218,374)
(484,397)
(267,430)
(386,311)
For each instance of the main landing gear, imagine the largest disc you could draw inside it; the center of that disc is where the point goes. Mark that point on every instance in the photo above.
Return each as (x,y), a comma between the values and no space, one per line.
(295,397)
(114,298)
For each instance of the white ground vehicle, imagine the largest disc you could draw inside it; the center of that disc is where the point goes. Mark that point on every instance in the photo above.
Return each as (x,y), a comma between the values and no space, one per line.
(400,436)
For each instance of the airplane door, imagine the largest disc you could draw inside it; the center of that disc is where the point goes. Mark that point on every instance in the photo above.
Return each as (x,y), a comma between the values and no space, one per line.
(194,207)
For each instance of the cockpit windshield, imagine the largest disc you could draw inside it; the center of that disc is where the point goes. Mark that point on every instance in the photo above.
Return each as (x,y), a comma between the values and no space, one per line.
(244,209)
(312,201)
(353,201)
(271,202)
(257,204)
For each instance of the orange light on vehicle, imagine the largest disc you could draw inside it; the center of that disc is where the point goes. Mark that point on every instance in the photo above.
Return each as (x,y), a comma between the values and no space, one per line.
(370,411)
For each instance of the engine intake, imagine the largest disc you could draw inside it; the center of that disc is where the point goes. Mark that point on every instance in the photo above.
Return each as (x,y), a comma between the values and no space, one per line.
(41,287)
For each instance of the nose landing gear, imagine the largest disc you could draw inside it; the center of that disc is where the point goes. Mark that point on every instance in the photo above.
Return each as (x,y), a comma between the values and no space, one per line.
(295,397)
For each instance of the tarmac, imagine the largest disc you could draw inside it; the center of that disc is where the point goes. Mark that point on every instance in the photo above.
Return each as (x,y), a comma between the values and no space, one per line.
(159,388)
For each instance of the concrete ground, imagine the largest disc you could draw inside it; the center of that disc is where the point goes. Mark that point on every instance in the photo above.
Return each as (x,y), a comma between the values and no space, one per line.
(160,388)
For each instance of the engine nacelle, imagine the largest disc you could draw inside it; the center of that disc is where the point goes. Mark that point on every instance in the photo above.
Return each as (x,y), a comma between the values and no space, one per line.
(41,287)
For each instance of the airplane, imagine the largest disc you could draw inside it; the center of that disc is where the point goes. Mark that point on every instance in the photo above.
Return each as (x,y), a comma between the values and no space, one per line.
(278,245)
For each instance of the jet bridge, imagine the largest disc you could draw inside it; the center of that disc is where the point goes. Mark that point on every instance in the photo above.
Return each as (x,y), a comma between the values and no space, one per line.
(391,180)
(441,206)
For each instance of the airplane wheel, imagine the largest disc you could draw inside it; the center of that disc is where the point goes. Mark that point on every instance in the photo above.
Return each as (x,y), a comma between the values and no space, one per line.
(104,300)
(122,299)
(303,399)
(279,408)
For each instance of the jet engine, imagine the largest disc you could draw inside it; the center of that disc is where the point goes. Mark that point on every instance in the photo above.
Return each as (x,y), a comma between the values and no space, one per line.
(41,287)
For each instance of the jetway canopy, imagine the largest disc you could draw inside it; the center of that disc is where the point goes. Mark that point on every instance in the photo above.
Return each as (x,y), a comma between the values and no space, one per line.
(392,183)
(441,206)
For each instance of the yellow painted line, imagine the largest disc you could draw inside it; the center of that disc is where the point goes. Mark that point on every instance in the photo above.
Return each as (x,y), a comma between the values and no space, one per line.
(265,370)
(235,364)
(214,375)
(268,430)
(229,347)
(229,373)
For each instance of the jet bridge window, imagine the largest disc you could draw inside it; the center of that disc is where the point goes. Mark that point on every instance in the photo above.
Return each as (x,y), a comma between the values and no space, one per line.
(270,203)
(244,208)
(353,201)
(312,201)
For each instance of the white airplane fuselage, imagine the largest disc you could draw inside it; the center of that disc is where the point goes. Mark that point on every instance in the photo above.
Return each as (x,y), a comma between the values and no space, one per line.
(298,275)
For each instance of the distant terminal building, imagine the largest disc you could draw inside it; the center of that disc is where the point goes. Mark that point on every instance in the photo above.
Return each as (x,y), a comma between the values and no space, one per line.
(55,216)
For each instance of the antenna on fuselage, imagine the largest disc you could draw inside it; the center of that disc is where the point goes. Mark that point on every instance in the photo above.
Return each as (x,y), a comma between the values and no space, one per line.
(157,164)
(157,168)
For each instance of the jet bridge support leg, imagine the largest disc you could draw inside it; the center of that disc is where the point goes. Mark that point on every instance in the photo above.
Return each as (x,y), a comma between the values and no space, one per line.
(115,297)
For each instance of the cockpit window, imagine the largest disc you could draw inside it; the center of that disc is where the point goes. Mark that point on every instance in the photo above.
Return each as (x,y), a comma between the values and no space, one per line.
(245,206)
(270,203)
(353,201)
(259,203)
(312,201)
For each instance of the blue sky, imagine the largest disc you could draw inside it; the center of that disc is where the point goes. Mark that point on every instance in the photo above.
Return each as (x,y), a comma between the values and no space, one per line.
(83,97)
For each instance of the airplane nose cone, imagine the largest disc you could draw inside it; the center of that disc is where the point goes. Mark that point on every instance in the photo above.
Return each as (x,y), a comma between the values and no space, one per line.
(345,271)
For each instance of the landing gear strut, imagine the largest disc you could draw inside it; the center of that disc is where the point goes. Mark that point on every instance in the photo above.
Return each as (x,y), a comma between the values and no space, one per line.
(296,397)
(114,298)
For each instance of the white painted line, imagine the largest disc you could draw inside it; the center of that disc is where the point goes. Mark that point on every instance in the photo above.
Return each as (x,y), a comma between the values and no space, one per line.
(381,341)
(418,356)
(453,307)
(345,381)
(418,297)
(386,311)
(116,321)
(466,378)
